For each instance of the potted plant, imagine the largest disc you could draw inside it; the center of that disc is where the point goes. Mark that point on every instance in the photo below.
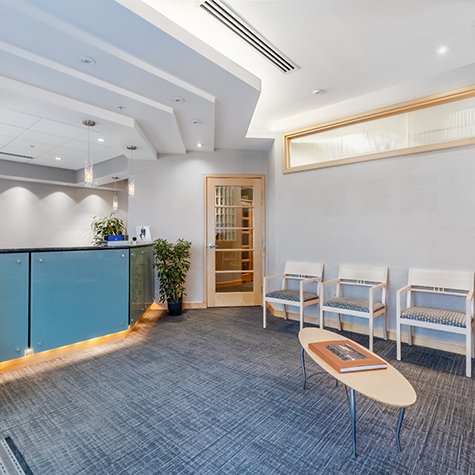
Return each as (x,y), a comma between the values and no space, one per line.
(104,226)
(172,262)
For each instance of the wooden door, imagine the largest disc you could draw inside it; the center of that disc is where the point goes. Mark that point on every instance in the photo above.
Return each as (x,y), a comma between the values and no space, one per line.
(234,240)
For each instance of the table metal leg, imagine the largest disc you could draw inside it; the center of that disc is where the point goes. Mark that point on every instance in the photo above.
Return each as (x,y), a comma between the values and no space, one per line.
(353,419)
(399,425)
(303,367)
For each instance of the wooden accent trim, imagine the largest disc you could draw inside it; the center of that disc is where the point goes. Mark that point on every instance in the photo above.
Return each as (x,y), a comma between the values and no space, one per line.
(400,108)
(417,340)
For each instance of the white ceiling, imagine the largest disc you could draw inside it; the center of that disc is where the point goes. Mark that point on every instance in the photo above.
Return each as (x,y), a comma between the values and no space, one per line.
(149,52)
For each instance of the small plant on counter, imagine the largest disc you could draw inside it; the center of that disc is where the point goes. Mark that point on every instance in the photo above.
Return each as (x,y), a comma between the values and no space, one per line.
(172,262)
(107,226)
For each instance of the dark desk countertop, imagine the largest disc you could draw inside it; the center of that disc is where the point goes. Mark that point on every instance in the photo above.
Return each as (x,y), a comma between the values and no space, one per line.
(78,248)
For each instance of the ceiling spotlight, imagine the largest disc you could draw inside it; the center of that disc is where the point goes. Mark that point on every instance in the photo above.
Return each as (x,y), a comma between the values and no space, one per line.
(100,140)
(57,158)
(199,144)
(87,60)
(317,92)
(442,50)
(115,177)
(120,108)
(178,100)
(195,121)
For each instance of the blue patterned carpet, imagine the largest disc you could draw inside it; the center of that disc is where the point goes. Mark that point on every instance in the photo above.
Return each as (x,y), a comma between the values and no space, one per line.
(211,392)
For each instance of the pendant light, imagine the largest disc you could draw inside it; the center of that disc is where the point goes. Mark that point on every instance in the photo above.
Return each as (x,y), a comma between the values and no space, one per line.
(88,175)
(131,176)
(115,199)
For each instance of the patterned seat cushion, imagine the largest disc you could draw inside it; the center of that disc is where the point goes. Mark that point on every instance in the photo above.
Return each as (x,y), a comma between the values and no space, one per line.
(293,295)
(352,303)
(435,315)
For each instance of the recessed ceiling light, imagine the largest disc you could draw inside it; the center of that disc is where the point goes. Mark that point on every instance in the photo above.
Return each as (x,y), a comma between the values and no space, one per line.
(115,177)
(442,50)
(87,60)
(317,92)
(120,108)
(199,144)
(100,140)
(195,121)
(178,100)
(57,158)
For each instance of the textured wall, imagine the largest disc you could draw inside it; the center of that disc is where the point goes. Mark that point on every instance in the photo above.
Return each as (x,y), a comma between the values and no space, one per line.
(404,212)
(42,215)
(170,199)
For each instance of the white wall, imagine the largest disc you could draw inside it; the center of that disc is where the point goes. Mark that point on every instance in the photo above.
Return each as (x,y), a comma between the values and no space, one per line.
(404,212)
(43,215)
(170,199)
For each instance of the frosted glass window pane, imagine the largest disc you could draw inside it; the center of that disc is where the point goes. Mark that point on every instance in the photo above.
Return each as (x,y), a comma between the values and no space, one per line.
(438,124)
(443,123)
(375,136)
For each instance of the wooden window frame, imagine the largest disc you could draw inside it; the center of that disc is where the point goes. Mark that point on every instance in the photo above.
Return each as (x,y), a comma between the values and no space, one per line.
(400,108)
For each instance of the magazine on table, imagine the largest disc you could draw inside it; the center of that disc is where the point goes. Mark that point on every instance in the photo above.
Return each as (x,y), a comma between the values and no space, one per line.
(346,356)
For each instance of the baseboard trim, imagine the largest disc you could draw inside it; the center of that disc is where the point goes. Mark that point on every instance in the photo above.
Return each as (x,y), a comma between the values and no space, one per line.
(435,343)
(186,305)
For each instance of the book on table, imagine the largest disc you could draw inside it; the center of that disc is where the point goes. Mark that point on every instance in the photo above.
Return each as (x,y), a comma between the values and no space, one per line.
(346,356)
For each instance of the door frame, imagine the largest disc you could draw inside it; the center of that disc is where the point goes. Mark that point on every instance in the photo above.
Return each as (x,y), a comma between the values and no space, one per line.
(205,223)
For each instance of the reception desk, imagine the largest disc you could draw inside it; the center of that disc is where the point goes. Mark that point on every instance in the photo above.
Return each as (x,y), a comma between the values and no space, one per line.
(55,298)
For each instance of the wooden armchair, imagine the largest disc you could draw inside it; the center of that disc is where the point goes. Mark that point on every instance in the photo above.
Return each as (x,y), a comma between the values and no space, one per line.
(374,279)
(305,273)
(455,284)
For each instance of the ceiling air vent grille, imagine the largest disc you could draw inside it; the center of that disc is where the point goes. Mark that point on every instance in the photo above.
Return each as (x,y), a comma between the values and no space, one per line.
(16,155)
(239,27)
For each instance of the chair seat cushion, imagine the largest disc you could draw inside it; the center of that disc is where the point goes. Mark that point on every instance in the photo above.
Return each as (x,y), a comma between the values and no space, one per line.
(293,295)
(353,303)
(435,315)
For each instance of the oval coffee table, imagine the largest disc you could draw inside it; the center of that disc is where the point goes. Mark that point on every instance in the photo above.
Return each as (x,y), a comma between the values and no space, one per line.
(387,386)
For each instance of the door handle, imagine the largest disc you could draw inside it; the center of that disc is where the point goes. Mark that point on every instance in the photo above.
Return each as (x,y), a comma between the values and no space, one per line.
(211,245)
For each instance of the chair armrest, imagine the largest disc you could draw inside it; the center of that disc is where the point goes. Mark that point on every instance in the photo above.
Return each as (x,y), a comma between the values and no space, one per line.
(377,287)
(276,276)
(328,282)
(403,290)
(313,279)
(470,295)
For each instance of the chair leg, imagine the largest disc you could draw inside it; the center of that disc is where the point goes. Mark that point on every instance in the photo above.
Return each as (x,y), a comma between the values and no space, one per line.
(409,335)
(469,351)
(301,316)
(264,317)
(339,321)
(321,318)
(398,339)
(385,327)
(285,313)
(371,325)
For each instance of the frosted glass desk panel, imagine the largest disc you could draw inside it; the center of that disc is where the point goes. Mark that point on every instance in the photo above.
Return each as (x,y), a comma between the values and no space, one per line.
(137,284)
(14,279)
(78,295)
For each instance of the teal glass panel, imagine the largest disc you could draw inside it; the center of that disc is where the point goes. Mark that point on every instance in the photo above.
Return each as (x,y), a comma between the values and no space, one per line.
(14,280)
(78,295)
(149,277)
(142,281)
(137,283)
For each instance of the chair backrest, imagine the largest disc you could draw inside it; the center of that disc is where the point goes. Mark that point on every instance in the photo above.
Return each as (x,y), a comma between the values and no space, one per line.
(363,274)
(440,280)
(304,269)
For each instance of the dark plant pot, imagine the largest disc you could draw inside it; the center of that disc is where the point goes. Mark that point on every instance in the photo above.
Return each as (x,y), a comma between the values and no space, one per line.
(175,308)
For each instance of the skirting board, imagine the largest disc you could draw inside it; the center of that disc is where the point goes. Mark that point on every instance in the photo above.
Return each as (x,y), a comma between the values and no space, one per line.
(435,343)
(163,306)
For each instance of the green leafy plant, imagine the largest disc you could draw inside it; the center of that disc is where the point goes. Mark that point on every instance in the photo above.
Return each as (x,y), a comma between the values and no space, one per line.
(107,226)
(172,262)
